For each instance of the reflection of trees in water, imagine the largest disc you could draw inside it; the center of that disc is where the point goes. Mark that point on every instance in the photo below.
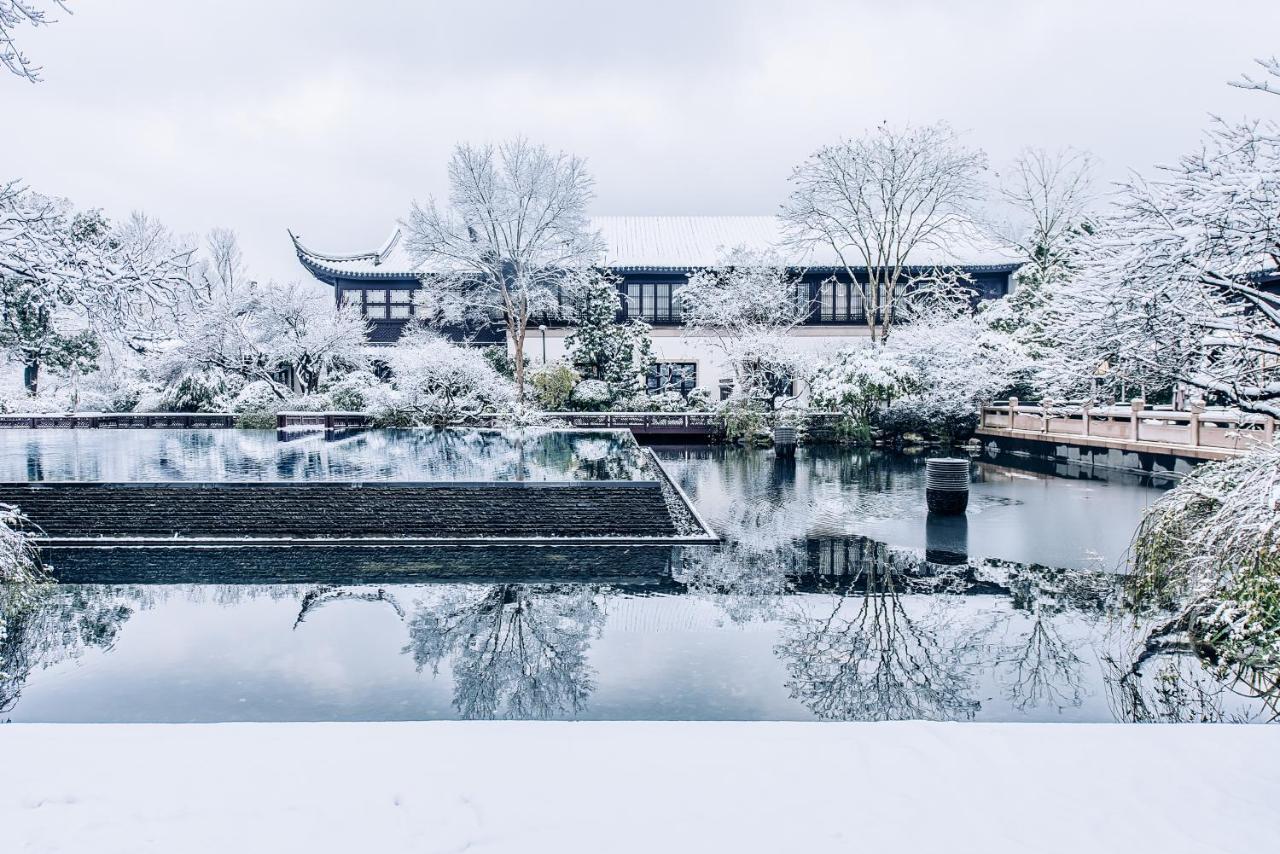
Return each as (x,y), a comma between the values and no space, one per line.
(55,625)
(868,657)
(59,623)
(1040,667)
(516,651)
(1158,676)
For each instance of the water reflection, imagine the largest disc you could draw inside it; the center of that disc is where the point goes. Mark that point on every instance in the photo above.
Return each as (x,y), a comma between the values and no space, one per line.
(866,656)
(800,614)
(251,455)
(514,651)
(57,626)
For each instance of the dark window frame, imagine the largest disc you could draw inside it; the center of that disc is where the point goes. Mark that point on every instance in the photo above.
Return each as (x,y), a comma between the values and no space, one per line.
(662,377)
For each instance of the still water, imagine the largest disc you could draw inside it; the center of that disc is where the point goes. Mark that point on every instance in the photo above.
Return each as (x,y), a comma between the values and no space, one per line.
(834,597)
(307,455)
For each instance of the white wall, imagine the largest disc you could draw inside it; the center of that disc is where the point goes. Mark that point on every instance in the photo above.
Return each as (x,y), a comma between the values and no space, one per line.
(671,345)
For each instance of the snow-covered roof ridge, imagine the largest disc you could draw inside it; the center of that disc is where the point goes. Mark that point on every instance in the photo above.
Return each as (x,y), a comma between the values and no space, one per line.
(675,243)
(390,261)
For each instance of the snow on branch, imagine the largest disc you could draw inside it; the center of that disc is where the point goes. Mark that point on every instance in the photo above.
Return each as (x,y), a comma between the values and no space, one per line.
(874,201)
(512,244)
(1272,68)
(15,14)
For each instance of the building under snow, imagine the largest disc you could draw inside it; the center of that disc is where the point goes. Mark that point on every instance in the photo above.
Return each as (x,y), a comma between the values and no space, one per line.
(653,257)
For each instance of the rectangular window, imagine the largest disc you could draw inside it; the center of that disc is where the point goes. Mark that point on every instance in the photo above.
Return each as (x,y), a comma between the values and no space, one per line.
(672,376)
(653,301)
(804,301)
(380,304)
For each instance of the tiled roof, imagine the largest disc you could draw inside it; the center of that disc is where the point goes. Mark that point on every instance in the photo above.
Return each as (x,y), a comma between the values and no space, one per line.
(638,243)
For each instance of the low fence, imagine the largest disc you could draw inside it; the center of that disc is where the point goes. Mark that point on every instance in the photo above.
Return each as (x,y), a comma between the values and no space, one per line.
(821,426)
(1195,427)
(323,420)
(119,420)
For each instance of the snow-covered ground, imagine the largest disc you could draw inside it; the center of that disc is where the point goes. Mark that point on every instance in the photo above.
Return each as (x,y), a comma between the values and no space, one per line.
(639,787)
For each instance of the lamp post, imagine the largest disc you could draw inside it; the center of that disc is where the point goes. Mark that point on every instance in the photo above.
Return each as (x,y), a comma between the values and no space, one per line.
(542,327)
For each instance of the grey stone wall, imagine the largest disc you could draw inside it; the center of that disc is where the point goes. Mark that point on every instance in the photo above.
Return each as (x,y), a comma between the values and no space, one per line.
(640,566)
(344,510)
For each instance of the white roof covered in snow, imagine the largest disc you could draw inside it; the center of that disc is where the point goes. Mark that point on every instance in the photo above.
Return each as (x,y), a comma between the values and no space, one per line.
(681,242)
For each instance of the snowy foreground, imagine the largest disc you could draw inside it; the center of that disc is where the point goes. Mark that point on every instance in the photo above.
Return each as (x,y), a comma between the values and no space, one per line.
(642,787)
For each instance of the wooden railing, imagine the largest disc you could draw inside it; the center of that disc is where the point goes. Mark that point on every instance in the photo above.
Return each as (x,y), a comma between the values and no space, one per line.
(1195,427)
(119,420)
(323,420)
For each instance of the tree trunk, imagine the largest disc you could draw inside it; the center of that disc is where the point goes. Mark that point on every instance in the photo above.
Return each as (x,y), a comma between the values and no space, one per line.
(518,344)
(31,375)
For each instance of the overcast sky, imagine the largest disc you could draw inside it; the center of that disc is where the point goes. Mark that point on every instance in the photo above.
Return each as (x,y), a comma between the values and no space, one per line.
(329,117)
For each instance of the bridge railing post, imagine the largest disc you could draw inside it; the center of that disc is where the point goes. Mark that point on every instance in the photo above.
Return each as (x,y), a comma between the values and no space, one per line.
(1136,406)
(1013,413)
(1196,408)
(1085,418)
(1046,404)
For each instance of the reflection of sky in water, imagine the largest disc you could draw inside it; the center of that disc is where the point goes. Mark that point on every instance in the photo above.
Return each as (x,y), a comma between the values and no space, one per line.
(799,616)
(184,657)
(1013,515)
(249,455)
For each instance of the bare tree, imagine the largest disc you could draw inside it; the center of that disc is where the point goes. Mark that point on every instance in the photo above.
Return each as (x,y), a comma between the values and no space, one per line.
(875,201)
(17,13)
(512,245)
(1051,192)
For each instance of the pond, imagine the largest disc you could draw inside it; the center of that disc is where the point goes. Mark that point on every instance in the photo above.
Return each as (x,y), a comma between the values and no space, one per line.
(833,597)
(420,455)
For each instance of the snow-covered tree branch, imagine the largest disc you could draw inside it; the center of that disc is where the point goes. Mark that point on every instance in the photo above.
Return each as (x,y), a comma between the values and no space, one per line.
(1173,291)
(513,244)
(15,14)
(73,284)
(747,305)
(876,200)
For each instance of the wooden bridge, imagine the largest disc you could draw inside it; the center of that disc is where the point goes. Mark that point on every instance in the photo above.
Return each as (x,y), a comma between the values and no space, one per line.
(1197,433)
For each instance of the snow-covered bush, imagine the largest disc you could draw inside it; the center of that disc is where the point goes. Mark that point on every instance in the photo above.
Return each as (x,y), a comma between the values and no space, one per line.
(1210,551)
(201,391)
(553,383)
(861,379)
(959,361)
(591,396)
(351,393)
(256,405)
(434,382)
(698,400)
